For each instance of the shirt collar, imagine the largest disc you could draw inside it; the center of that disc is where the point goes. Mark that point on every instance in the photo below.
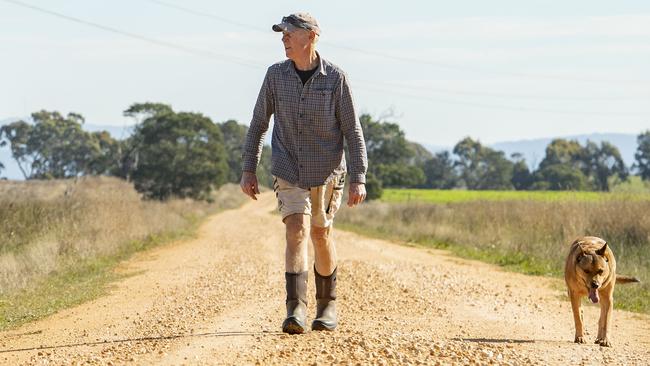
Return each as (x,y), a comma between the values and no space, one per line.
(321,65)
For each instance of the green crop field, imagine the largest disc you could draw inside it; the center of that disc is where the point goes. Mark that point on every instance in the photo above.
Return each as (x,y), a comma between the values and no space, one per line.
(451,196)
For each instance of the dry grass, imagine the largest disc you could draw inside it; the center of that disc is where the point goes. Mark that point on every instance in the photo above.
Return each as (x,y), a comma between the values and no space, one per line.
(46,225)
(528,236)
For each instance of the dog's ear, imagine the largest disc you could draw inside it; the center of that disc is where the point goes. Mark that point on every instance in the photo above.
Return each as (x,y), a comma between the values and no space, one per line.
(601,251)
(579,257)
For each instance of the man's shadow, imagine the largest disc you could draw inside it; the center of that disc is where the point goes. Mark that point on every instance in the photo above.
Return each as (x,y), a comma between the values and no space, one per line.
(144,339)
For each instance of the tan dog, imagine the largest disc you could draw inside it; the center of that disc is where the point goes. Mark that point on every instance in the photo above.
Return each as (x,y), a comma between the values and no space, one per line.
(591,271)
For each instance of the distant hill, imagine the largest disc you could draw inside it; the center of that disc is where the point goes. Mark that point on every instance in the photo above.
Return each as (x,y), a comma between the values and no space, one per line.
(535,149)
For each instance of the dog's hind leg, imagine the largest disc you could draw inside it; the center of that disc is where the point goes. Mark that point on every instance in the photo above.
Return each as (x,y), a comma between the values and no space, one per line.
(577,317)
(606,305)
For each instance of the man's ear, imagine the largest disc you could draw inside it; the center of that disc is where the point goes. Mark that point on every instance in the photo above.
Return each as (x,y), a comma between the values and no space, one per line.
(601,251)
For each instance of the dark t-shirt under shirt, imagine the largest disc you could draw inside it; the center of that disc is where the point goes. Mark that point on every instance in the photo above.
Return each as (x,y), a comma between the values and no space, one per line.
(305,75)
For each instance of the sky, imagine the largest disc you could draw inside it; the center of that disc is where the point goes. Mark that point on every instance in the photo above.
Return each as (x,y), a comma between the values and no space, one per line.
(496,71)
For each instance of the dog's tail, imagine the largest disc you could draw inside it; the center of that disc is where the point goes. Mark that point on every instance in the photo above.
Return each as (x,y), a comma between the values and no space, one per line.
(626,279)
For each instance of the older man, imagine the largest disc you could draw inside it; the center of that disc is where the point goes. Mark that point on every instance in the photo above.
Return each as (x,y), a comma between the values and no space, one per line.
(313,110)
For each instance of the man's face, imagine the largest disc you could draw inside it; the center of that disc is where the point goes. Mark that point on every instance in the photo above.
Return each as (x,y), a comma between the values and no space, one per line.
(296,42)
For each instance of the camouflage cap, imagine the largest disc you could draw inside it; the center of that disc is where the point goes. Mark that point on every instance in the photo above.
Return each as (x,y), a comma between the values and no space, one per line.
(297,20)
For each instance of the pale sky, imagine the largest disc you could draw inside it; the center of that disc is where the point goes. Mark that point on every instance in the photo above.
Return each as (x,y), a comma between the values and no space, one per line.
(493,70)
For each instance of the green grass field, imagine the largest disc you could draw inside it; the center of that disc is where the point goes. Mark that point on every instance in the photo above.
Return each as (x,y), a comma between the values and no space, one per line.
(453,196)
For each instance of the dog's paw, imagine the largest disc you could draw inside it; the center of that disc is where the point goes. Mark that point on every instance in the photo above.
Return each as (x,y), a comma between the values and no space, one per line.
(580,339)
(603,342)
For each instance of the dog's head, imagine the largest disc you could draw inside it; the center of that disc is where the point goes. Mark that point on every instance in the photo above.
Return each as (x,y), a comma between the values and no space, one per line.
(593,268)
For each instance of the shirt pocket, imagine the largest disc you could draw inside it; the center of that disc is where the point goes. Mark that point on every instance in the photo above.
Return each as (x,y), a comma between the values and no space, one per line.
(322,109)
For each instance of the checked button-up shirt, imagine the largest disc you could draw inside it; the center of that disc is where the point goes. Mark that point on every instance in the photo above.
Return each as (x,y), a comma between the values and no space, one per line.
(310,124)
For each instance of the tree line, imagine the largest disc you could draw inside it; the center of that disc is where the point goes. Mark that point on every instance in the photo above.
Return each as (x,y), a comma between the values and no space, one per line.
(168,153)
(396,162)
(186,154)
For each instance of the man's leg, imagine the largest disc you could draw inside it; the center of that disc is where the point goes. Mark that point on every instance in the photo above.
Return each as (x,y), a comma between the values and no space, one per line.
(324,250)
(325,278)
(297,226)
(326,200)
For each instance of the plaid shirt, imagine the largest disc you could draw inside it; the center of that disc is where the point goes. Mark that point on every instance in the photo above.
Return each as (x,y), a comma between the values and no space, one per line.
(310,124)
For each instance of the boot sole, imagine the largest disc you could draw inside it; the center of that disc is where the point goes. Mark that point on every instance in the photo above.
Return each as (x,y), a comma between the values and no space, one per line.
(316,325)
(292,327)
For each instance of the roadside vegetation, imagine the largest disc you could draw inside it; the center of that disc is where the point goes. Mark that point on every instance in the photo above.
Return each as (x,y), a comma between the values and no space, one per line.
(520,233)
(63,238)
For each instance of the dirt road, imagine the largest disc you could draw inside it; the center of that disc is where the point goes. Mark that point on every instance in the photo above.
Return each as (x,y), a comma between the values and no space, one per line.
(219,299)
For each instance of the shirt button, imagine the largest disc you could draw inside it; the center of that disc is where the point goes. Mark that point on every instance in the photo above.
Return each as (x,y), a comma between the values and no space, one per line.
(302,98)
(301,165)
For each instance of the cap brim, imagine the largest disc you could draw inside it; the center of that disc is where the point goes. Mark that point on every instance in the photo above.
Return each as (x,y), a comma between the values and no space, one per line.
(281,27)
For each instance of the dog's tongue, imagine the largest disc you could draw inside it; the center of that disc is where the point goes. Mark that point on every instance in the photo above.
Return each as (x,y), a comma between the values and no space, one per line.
(593,295)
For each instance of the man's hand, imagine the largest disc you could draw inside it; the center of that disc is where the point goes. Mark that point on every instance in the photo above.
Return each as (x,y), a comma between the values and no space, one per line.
(249,186)
(357,194)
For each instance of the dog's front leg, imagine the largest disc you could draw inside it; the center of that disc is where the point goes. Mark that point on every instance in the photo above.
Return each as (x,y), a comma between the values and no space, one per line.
(606,305)
(577,316)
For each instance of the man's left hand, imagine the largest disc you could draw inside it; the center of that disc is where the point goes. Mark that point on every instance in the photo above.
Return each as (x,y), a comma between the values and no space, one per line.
(357,194)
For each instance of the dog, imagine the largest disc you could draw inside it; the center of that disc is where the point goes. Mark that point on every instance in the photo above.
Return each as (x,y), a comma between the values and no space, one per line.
(591,271)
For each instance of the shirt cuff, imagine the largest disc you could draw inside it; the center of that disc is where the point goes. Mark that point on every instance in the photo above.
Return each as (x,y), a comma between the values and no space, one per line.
(357,178)
(249,167)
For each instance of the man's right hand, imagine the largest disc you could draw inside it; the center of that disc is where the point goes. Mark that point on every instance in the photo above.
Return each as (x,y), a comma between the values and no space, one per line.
(249,185)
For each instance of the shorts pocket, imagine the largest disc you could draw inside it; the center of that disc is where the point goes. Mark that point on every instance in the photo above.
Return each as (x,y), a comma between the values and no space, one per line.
(337,196)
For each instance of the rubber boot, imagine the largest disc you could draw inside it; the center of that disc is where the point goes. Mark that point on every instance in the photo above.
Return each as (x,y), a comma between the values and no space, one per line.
(296,303)
(325,302)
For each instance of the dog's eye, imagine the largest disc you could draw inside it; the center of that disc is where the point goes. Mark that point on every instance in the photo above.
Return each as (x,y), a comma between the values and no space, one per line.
(600,271)
(587,271)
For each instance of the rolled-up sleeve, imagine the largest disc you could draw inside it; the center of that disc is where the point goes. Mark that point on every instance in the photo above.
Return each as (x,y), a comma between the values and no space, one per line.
(264,108)
(351,127)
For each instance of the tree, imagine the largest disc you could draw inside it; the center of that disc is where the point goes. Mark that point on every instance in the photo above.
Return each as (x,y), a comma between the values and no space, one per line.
(560,177)
(602,162)
(234,135)
(522,178)
(439,172)
(385,142)
(563,167)
(56,146)
(596,165)
(420,153)
(482,167)
(398,175)
(374,189)
(104,150)
(390,155)
(561,151)
(642,155)
(176,154)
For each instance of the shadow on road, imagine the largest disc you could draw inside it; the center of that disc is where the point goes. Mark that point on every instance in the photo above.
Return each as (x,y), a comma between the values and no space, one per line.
(144,339)
(495,340)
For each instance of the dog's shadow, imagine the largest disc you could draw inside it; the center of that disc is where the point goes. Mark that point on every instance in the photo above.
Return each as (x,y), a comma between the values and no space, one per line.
(507,340)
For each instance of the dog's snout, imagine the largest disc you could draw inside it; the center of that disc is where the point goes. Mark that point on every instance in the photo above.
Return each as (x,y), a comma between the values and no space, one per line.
(594,284)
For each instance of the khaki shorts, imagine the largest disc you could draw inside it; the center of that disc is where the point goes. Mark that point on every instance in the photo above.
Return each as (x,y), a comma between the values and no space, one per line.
(320,202)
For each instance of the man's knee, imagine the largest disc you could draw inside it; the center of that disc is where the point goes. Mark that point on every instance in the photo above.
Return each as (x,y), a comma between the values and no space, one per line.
(319,235)
(297,226)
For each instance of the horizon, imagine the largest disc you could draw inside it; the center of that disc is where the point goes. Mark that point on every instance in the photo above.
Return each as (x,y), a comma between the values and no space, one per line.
(531,149)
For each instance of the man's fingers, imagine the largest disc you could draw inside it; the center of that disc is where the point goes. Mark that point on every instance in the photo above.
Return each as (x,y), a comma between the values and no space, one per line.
(249,190)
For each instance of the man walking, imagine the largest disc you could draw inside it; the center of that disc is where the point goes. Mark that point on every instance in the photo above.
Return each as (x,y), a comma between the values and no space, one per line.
(313,111)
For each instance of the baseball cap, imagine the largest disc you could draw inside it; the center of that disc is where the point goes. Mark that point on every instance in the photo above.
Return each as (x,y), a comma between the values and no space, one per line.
(297,20)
